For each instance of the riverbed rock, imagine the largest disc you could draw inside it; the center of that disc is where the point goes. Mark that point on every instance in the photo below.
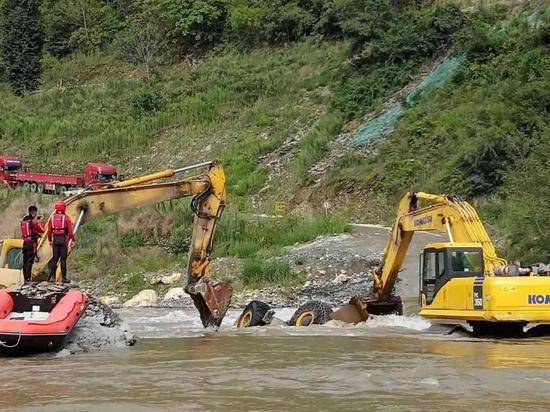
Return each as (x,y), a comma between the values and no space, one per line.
(341,278)
(110,300)
(99,328)
(171,279)
(145,298)
(176,298)
(174,294)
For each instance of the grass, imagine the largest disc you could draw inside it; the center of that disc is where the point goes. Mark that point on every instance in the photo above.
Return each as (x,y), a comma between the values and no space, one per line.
(229,100)
(247,237)
(258,272)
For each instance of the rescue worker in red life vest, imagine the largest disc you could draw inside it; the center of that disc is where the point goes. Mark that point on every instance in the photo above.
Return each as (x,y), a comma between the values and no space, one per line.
(31,230)
(60,235)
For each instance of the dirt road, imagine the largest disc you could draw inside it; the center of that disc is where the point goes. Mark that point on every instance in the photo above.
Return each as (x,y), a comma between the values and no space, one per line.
(373,239)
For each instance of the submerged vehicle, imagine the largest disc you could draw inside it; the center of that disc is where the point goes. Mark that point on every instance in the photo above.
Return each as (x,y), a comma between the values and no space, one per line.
(30,325)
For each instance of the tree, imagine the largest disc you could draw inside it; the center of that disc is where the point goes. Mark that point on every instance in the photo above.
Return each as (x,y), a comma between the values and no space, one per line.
(78,25)
(140,46)
(147,37)
(23,39)
(199,22)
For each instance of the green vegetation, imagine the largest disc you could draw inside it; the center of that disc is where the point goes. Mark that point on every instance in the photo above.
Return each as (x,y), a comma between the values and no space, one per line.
(485,137)
(259,272)
(244,236)
(150,84)
(22,42)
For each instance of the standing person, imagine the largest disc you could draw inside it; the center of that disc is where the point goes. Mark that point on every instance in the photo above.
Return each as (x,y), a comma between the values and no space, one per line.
(60,234)
(31,230)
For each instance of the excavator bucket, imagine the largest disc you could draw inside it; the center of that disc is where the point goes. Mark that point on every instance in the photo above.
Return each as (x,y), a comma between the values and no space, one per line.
(392,306)
(359,309)
(211,299)
(354,312)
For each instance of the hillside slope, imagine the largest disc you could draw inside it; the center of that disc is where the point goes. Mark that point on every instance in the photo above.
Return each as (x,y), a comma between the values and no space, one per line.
(270,111)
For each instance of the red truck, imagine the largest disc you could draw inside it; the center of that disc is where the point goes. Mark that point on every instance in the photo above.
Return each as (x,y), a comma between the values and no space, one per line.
(13,175)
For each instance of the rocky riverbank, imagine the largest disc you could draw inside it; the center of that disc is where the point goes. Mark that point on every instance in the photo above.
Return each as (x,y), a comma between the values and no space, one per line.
(330,268)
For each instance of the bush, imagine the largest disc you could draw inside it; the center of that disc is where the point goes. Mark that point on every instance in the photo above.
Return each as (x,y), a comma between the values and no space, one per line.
(245,24)
(179,240)
(141,45)
(83,25)
(146,101)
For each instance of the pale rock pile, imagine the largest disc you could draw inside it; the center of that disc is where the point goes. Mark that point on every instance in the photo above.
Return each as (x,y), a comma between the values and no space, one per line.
(165,279)
(145,298)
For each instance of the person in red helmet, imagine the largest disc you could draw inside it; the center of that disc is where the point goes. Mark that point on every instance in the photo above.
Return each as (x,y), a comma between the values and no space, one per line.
(60,235)
(31,230)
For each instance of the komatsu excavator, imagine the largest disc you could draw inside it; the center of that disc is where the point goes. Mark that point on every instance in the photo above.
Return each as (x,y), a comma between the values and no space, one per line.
(209,198)
(462,280)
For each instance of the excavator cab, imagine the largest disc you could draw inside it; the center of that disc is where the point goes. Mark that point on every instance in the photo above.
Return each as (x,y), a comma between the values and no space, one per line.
(11,262)
(441,262)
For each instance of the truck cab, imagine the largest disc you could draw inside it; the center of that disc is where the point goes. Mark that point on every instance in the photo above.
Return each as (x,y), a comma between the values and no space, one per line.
(9,166)
(99,173)
(11,262)
(441,262)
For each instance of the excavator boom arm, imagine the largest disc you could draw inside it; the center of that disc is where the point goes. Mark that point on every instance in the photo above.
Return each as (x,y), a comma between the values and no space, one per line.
(443,214)
(209,199)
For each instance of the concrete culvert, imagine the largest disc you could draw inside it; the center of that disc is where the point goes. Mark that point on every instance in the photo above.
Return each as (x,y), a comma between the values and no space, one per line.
(314,312)
(256,313)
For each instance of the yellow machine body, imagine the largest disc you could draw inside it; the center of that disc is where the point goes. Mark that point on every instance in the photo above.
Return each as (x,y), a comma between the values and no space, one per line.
(480,298)
(464,279)
(11,262)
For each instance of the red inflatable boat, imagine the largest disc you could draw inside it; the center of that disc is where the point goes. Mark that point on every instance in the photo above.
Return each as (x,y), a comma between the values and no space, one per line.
(38,324)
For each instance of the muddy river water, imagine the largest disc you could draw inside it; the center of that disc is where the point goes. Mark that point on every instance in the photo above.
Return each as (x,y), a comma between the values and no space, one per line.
(391,363)
(394,363)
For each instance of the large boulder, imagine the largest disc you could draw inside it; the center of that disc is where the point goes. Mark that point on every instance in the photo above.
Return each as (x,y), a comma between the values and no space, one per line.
(177,298)
(171,279)
(145,298)
(174,294)
(110,300)
(165,279)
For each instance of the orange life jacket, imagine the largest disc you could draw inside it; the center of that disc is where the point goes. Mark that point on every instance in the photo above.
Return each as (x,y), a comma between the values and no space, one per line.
(26,231)
(59,224)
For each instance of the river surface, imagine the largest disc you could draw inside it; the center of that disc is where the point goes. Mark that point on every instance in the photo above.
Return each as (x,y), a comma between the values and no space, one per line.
(393,363)
(388,364)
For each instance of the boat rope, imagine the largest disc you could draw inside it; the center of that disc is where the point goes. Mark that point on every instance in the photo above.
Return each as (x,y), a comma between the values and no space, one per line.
(5,344)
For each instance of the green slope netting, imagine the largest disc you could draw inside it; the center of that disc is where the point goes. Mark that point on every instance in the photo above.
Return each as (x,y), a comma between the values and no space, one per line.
(379,127)
(384,124)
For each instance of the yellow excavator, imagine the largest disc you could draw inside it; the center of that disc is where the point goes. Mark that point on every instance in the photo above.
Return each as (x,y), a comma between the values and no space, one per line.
(462,280)
(209,199)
